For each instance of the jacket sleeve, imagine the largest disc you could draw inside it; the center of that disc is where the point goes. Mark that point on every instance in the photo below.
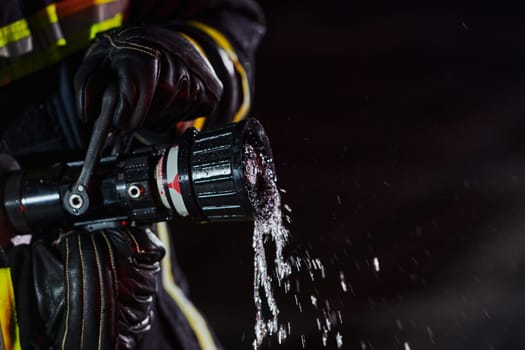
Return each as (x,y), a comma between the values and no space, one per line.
(228,33)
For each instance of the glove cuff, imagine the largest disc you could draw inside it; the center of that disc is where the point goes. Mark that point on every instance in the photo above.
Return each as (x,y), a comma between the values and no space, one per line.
(236,98)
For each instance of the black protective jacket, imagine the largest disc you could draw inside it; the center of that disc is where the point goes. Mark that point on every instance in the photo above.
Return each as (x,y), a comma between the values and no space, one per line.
(38,117)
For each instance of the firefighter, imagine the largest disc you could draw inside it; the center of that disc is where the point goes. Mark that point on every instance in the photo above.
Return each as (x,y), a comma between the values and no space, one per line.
(162,66)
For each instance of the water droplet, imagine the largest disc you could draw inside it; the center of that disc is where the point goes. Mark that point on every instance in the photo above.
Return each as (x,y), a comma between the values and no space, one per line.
(430,334)
(328,323)
(281,335)
(325,338)
(339,340)
(376,264)
(399,324)
(343,282)
(340,316)
(298,303)
(313,298)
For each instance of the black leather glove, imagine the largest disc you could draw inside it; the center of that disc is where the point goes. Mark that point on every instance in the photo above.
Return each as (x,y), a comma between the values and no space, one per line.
(158,74)
(96,290)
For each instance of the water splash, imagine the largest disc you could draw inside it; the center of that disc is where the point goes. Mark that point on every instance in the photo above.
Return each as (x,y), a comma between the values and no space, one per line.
(268,225)
(270,219)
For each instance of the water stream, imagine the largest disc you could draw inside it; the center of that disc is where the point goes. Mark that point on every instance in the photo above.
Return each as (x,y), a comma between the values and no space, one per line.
(271,267)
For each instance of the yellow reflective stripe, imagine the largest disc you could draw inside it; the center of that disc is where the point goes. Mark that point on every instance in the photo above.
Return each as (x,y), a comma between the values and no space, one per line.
(61,42)
(8,320)
(199,123)
(114,22)
(44,17)
(194,43)
(225,44)
(51,13)
(217,36)
(20,29)
(195,319)
(36,60)
(14,32)
(27,43)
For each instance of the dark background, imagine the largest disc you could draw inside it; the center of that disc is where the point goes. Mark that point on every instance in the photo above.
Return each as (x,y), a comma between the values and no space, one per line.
(398,132)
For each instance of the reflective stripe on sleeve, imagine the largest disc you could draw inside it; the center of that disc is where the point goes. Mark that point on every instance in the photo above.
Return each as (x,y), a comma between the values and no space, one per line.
(8,320)
(224,44)
(13,32)
(54,32)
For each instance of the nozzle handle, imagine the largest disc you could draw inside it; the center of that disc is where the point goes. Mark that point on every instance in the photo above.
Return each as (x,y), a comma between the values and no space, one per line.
(76,199)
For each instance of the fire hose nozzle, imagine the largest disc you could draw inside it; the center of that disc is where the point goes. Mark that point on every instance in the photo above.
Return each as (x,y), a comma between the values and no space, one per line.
(204,177)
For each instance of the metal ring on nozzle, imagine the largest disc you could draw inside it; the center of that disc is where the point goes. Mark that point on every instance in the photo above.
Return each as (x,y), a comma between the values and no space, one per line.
(211,170)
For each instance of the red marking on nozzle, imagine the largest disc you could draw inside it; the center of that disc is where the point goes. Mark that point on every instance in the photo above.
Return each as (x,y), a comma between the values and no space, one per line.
(175,183)
(22,208)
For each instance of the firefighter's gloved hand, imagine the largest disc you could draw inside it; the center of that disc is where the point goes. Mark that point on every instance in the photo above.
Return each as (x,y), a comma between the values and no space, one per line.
(96,290)
(161,78)
(139,252)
